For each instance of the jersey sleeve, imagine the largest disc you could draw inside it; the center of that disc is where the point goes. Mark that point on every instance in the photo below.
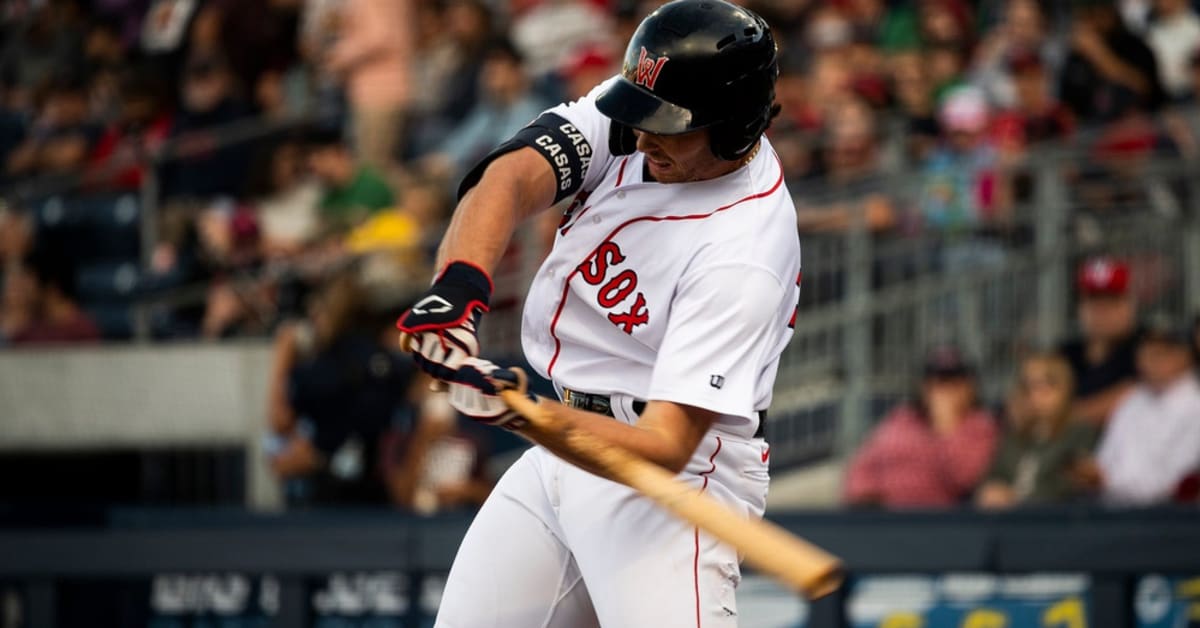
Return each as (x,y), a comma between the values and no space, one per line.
(572,137)
(724,323)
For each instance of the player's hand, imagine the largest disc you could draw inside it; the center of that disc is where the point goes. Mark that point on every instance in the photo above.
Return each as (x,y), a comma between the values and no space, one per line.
(439,329)
(475,392)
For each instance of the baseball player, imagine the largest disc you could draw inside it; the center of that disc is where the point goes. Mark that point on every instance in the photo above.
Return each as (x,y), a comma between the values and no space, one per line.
(659,315)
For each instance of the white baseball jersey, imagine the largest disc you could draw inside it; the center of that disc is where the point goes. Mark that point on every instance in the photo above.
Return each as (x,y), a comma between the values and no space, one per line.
(678,292)
(681,292)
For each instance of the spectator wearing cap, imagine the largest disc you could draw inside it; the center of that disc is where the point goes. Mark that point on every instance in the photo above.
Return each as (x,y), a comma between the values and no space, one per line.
(1103,359)
(1174,36)
(930,454)
(963,187)
(1151,445)
(586,68)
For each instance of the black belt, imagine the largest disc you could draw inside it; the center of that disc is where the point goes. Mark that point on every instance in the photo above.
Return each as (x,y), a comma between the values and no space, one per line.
(601,404)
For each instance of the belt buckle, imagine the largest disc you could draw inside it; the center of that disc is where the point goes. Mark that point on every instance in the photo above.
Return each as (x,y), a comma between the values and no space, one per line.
(587,401)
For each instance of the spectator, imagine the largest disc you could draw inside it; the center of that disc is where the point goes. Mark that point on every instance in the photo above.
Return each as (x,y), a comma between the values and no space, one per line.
(1035,116)
(353,190)
(932,453)
(334,391)
(17,305)
(263,32)
(546,31)
(165,27)
(913,90)
(1174,36)
(286,199)
(1021,34)
(586,68)
(375,42)
(1152,443)
(848,159)
(451,43)
(1107,65)
(141,127)
(61,136)
(16,235)
(506,105)
(40,51)
(56,316)
(1043,444)
(1103,359)
(964,188)
(209,100)
(439,465)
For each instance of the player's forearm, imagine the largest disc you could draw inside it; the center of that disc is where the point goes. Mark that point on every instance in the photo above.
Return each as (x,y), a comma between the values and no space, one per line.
(647,443)
(512,188)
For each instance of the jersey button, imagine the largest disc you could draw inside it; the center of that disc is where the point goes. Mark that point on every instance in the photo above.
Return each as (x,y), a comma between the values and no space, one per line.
(595,220)
(621,194)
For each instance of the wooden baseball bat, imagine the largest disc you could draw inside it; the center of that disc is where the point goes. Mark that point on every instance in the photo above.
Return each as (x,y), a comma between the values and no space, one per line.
(769,548)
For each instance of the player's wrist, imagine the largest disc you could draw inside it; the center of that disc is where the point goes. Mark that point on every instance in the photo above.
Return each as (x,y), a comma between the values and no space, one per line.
(468,276)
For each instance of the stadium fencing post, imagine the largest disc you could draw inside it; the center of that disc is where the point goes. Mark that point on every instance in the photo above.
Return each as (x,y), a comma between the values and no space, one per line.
(1191,248)
(856,341)
(1050,243)
(148,234)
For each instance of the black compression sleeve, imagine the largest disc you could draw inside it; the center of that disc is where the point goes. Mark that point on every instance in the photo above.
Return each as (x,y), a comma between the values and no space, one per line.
(557,141)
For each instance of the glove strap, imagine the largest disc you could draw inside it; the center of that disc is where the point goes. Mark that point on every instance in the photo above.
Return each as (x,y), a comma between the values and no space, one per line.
(469,276)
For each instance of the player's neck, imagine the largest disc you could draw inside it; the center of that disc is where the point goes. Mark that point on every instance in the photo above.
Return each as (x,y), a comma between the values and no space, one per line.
(725,168)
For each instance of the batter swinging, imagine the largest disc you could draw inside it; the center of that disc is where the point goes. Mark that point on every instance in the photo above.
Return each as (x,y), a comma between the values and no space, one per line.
(659,316)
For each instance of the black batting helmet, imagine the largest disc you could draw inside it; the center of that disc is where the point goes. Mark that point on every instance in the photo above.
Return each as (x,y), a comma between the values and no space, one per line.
(695,64)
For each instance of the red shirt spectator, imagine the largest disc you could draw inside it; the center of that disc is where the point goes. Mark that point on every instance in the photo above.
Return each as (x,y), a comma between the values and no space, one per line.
(906,463)
(929,457)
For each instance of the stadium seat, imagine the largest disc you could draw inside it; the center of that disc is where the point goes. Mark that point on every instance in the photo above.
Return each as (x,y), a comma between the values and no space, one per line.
(95,228)
(106,281)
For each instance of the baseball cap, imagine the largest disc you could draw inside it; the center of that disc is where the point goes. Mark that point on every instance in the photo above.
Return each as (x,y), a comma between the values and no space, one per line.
(964,109)
(1103,276)
(1165,328)
(592,57)
(947,362)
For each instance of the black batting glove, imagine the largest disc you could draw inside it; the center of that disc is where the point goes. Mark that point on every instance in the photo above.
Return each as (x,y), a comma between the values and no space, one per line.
(439,329)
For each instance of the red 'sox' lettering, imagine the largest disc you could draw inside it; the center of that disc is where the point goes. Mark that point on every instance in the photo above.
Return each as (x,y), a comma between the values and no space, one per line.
(637,315)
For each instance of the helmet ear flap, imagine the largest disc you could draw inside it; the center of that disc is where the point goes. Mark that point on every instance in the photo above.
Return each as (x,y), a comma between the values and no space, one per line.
(735,137)
(621,140)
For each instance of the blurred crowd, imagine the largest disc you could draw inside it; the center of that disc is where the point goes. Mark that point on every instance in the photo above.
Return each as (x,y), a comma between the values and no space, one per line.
(1112,416)
(285,168)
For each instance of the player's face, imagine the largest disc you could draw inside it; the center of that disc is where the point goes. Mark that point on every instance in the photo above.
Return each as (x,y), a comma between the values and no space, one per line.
(681,158)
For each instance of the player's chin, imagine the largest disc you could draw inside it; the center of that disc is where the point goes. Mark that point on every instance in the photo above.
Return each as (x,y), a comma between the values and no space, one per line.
(665,173)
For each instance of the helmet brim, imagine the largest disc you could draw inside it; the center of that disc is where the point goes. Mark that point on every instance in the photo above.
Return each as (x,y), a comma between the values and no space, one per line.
(635,107)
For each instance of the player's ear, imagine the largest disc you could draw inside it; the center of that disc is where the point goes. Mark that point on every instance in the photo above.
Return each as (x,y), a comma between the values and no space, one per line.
(621,140)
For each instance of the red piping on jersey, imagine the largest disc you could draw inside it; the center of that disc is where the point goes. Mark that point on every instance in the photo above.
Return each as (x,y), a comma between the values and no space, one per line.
(621,173)
(696,534)
(567,282)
